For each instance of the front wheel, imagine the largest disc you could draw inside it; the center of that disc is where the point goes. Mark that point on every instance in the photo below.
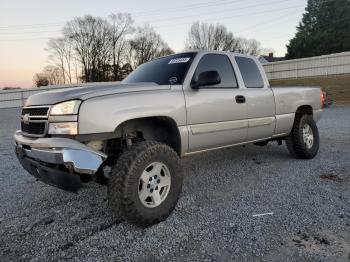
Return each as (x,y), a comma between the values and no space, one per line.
(145,183)
(303,141)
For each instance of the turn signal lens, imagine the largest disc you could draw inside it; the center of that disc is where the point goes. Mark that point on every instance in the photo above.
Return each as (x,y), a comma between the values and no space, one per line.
(322,99)
(63,128)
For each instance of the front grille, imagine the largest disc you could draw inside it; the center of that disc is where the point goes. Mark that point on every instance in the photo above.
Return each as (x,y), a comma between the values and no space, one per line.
(35,111)
(35,128)
(34,121)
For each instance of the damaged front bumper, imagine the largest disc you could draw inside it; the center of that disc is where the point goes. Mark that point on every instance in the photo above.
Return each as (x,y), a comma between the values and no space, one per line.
(44,158)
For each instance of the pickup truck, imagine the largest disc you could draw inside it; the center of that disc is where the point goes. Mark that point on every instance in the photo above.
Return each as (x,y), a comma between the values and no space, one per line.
(132,135)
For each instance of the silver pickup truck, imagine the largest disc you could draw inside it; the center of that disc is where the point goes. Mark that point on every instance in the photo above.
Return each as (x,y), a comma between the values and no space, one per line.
(131,135)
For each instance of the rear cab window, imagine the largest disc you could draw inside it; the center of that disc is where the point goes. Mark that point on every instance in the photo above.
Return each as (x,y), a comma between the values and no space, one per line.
(250,72)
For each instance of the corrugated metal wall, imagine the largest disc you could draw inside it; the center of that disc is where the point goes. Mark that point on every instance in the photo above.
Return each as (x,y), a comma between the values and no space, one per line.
(334,64)
(17,97)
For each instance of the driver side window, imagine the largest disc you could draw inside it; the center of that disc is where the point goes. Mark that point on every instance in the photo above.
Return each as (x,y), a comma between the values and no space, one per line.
(221,64)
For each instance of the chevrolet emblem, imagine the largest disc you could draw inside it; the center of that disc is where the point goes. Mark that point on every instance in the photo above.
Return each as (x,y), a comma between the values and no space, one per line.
(25,119)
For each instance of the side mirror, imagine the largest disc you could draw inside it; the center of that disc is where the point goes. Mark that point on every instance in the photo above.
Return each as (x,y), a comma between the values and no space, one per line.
(207,78)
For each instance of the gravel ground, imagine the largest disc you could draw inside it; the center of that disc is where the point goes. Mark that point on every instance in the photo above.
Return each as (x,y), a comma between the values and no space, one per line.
(214,219)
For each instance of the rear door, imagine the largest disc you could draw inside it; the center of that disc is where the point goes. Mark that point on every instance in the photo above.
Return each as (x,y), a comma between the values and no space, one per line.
(259,97)
(215,114)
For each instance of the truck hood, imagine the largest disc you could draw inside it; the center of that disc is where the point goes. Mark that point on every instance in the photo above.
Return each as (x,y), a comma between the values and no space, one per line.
(87,91)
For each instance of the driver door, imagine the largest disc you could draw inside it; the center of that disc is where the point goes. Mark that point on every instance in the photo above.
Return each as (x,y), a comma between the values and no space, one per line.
(216,114)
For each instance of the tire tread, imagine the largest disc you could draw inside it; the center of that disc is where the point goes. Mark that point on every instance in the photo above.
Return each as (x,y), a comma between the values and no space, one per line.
(122,205)
(295,142)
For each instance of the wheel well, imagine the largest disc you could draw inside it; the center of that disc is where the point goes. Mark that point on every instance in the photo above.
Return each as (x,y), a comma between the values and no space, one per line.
(160,128)
(306,109)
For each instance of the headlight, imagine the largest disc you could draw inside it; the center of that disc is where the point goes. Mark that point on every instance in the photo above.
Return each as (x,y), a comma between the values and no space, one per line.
(63,128)
(66,108)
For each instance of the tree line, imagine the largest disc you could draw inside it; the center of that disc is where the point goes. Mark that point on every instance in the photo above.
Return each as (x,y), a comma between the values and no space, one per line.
(97,49)
(94,49)
(324,29)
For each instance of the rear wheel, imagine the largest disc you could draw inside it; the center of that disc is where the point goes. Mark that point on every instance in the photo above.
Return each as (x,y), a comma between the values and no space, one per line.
(145,183)
(303,141)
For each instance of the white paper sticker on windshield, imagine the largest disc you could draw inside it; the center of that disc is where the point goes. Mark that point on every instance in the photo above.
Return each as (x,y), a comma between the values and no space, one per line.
(179,60)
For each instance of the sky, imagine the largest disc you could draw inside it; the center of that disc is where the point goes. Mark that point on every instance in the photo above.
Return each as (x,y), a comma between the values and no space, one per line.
(26,26)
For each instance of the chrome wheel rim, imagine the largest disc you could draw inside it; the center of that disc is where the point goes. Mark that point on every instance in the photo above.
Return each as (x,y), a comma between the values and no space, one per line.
(154,184)
(308,136)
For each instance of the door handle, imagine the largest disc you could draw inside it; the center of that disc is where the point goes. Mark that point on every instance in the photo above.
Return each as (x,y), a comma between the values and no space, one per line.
(240,99)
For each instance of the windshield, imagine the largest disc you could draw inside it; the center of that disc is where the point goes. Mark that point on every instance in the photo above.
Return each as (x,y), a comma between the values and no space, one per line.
(163,71)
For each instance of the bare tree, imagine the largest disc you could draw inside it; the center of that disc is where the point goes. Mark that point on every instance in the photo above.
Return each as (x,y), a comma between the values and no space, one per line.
(77,71)
(217,37)
(61,50)
(94,49)
(146,45)
(249,46)
(40,79)
(210,37)
(53,75)
(90,37)
(120,27)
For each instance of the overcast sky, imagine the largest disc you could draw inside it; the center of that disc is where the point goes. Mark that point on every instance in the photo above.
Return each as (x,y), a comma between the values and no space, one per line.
(25,26)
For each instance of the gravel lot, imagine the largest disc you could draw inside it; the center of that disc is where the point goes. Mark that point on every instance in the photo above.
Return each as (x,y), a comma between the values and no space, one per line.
(213,221)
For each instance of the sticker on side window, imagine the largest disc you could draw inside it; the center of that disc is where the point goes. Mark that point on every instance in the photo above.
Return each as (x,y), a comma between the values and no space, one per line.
(179,60)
